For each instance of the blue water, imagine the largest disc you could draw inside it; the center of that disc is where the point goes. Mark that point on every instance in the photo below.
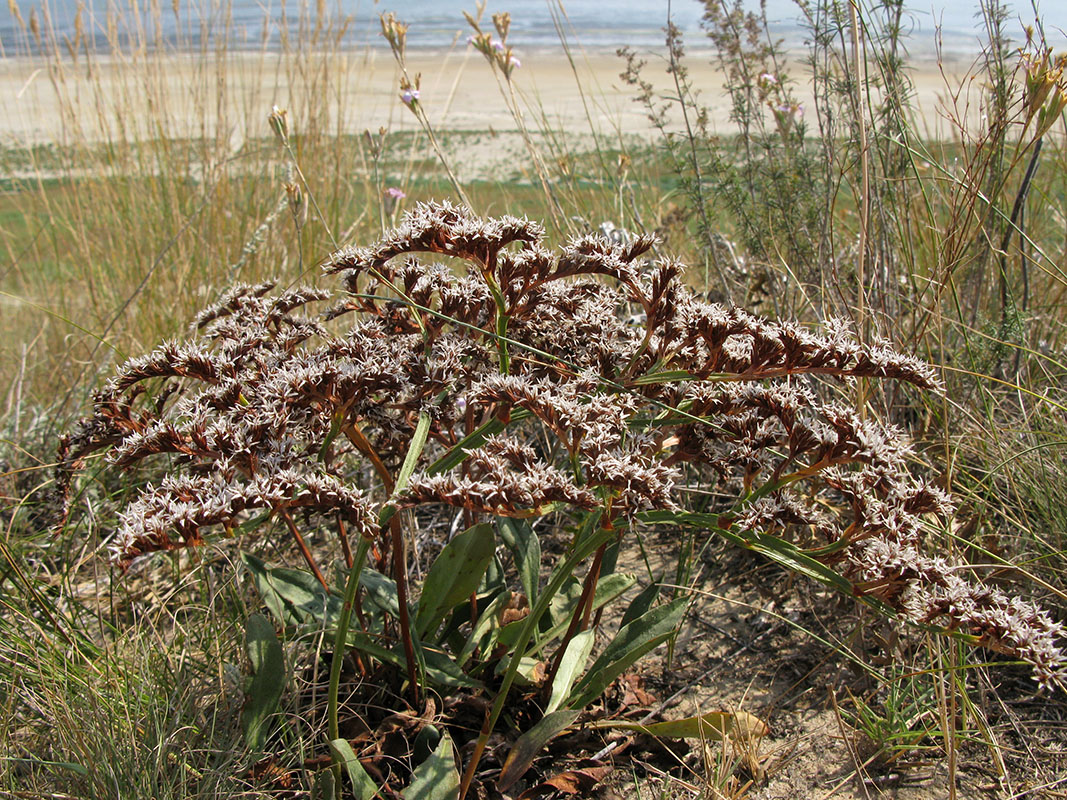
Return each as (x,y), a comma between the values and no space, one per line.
(598,24)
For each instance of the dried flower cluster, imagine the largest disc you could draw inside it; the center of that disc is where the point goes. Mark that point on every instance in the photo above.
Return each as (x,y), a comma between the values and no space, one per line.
(588,378)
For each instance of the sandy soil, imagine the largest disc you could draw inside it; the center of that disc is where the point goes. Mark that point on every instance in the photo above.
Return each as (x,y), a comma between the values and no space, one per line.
(752,643)
(182,94)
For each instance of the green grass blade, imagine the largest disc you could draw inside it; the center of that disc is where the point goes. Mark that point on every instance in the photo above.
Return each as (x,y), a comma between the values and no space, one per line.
(639,637)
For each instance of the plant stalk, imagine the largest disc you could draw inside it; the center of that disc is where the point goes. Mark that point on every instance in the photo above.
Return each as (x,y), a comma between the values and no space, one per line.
(580,617)
(340,643)
(304,548)
(581,551)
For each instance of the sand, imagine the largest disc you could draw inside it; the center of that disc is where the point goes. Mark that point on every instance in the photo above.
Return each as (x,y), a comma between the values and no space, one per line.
(182,95)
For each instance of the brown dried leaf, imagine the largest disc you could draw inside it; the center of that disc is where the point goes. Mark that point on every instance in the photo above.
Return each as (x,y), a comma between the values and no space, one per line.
(574,781)
(634,693)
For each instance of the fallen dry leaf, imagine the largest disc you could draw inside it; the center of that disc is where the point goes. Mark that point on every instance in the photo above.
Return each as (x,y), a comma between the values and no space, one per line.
(573,781)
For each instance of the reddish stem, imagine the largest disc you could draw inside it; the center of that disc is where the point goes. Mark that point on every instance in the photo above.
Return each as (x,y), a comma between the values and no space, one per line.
(304,548)
(580,618)
(346,548)
(400,572)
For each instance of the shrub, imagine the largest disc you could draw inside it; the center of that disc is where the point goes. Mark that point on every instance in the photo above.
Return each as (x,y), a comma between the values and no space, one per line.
(589,389)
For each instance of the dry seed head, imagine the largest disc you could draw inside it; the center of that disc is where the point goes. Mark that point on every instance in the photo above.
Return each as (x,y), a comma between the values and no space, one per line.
(13,7)
(1044,89)
(374,143)
(502,23)
(279,123)
(297,204)
(395,32)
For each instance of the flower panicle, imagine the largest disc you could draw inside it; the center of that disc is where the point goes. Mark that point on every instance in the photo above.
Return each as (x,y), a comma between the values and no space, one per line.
(622,387)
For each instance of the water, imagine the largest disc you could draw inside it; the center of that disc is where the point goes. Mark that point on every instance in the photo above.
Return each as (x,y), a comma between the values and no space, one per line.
(436,24)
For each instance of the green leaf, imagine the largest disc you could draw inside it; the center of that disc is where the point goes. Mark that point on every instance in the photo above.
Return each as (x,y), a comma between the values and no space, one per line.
(562,606)
(427,739)
(667,376)
(640,604)
(527,673)
(440,669)
(561,610)
(524,545)
(629,644)
(488,623)
(527,746)
(715,725)
(363,786)
(335,429)
(453,576)
(436,778)
(70,766)
(268,679)
(493,579)
(418,441)
(323,785)
(369,645)
(556,618)
(778,550)
(251,524)
(570,667)
(611,558)
(472,441)
(583,547)
(381,591)
(293,597)
(608,588)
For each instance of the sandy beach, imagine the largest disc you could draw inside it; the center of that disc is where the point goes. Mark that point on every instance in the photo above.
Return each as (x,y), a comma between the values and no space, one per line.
(185,95)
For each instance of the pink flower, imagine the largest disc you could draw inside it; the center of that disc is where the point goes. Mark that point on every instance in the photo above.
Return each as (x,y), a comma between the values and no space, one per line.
(395,192)
(790,111)
(409,96)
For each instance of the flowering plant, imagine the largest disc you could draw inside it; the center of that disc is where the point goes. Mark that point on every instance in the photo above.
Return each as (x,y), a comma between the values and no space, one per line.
(498,52)
(514,385)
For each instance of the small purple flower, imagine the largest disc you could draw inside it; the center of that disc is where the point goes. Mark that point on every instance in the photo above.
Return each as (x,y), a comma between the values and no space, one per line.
(498,46)
(395,192)
(514,62)
(409,96)
(768,78)
(472,39)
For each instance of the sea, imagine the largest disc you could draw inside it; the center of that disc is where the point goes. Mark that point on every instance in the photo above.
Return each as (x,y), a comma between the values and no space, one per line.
(951,26)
